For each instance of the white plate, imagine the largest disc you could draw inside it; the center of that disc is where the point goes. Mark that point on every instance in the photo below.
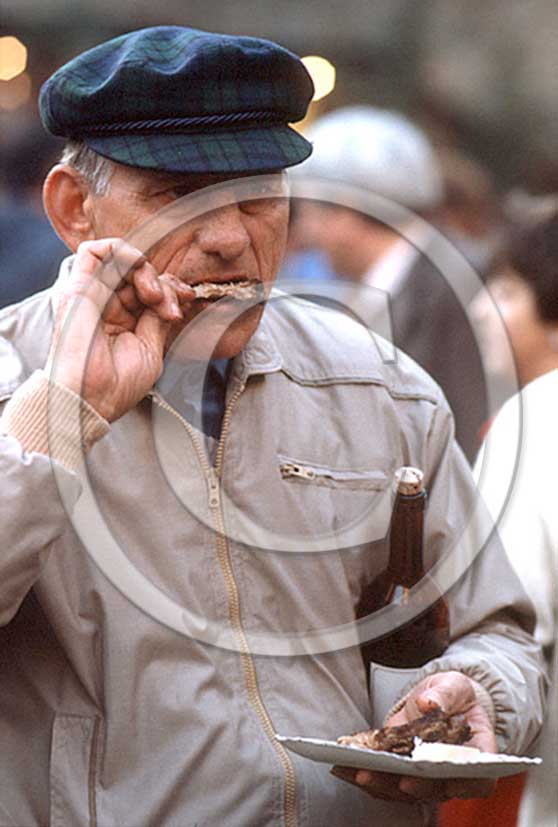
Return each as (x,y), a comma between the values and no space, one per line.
(329,752)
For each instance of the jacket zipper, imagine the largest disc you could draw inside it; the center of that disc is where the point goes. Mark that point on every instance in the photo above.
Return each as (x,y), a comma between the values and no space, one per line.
(224,557)
(290,469)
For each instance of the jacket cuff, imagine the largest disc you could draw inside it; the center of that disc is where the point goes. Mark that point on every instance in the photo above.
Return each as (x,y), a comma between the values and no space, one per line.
(47,418)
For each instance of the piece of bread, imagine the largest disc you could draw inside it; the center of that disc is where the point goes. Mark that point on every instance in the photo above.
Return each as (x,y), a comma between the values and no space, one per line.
(241,290)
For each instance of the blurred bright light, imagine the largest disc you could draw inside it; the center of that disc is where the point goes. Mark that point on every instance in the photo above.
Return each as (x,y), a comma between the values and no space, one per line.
(322,73)
(13,57)
(15,92)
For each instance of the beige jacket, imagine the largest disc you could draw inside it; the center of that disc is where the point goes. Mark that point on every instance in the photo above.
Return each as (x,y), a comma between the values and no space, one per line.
(110,718)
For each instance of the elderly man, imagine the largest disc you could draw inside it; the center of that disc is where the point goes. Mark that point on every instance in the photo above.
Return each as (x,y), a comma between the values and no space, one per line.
(110,717)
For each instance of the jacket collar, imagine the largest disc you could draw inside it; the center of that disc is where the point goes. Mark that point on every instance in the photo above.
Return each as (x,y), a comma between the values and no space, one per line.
(260,355)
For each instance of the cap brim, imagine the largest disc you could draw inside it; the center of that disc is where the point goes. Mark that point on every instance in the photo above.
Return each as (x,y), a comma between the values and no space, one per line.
(224,151)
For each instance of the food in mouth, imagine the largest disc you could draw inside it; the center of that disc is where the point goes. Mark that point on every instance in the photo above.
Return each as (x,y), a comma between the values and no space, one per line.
(240,290)
(435,726)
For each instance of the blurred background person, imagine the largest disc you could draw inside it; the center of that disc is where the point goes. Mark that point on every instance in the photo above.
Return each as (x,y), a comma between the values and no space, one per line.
(30,250)
(524,286)
(382,152)
(471,214)
(303,261)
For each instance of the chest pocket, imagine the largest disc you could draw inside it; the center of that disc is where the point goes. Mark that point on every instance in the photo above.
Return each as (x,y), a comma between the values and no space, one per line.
(301,471)
(353,503)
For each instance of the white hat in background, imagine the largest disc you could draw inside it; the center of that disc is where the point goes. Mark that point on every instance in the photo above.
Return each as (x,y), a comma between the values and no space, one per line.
(377,149)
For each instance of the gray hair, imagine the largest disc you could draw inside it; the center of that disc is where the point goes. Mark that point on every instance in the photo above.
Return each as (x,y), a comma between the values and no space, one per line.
(96,170)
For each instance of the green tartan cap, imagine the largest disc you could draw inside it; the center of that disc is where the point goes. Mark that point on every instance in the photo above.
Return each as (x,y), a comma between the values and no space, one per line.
(182,100)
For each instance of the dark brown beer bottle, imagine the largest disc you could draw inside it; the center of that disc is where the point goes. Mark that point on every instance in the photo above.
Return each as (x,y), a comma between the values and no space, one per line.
(426,635)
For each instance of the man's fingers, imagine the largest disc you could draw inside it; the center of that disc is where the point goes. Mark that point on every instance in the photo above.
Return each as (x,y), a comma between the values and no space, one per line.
(152,330)
(111,265)
(382,785)
(345,774)
(377,784)
(163,293)
(450,691)
(390,787)
(424,789)
(437,789)
(111,260)
(122,264)
(184,292)
(129,299)
(93,275)
(147,284)
(116,314)
(125,307)
(169,308)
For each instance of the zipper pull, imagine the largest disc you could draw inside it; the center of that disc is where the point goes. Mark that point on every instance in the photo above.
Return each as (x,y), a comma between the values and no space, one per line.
(214,492)
(290,469)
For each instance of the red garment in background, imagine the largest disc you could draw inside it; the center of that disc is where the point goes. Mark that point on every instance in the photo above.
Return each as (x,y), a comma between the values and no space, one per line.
(500,810)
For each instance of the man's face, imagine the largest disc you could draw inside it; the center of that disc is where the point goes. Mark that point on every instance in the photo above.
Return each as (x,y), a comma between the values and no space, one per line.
(240,241)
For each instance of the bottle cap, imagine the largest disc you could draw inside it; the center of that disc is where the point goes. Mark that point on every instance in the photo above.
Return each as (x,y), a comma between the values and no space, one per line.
(409,480)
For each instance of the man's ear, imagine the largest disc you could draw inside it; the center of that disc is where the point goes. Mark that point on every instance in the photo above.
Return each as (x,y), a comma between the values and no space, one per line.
(67,202)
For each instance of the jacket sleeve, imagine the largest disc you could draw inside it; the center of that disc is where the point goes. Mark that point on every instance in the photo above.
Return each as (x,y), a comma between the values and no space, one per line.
(492,619)
(44,431)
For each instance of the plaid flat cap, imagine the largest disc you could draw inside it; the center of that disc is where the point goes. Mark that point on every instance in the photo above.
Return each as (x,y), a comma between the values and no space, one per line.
(182,100)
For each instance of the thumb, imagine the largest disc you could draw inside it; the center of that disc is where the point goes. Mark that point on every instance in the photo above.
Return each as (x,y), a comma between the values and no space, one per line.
(451,692)
(432,699)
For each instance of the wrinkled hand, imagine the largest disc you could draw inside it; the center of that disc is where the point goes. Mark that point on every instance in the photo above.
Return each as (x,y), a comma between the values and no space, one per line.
(454,693)
(113,319)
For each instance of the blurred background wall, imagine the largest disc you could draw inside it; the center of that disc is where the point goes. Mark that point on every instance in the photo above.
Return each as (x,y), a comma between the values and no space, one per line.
(478,73)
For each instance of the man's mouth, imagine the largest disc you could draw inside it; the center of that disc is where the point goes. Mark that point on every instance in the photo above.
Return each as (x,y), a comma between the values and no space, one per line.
(241,289)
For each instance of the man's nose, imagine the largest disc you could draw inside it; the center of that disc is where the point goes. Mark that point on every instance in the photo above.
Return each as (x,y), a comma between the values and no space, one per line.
(223,233)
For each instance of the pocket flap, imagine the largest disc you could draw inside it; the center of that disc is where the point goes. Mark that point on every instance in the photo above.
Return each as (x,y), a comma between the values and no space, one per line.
(72,771)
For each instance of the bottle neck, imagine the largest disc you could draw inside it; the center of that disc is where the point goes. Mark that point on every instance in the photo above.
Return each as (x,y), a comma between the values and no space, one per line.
(406,566)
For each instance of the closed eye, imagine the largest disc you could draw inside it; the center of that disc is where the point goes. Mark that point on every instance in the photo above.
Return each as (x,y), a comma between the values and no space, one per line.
(182,189)
(260,192)
(255,193)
